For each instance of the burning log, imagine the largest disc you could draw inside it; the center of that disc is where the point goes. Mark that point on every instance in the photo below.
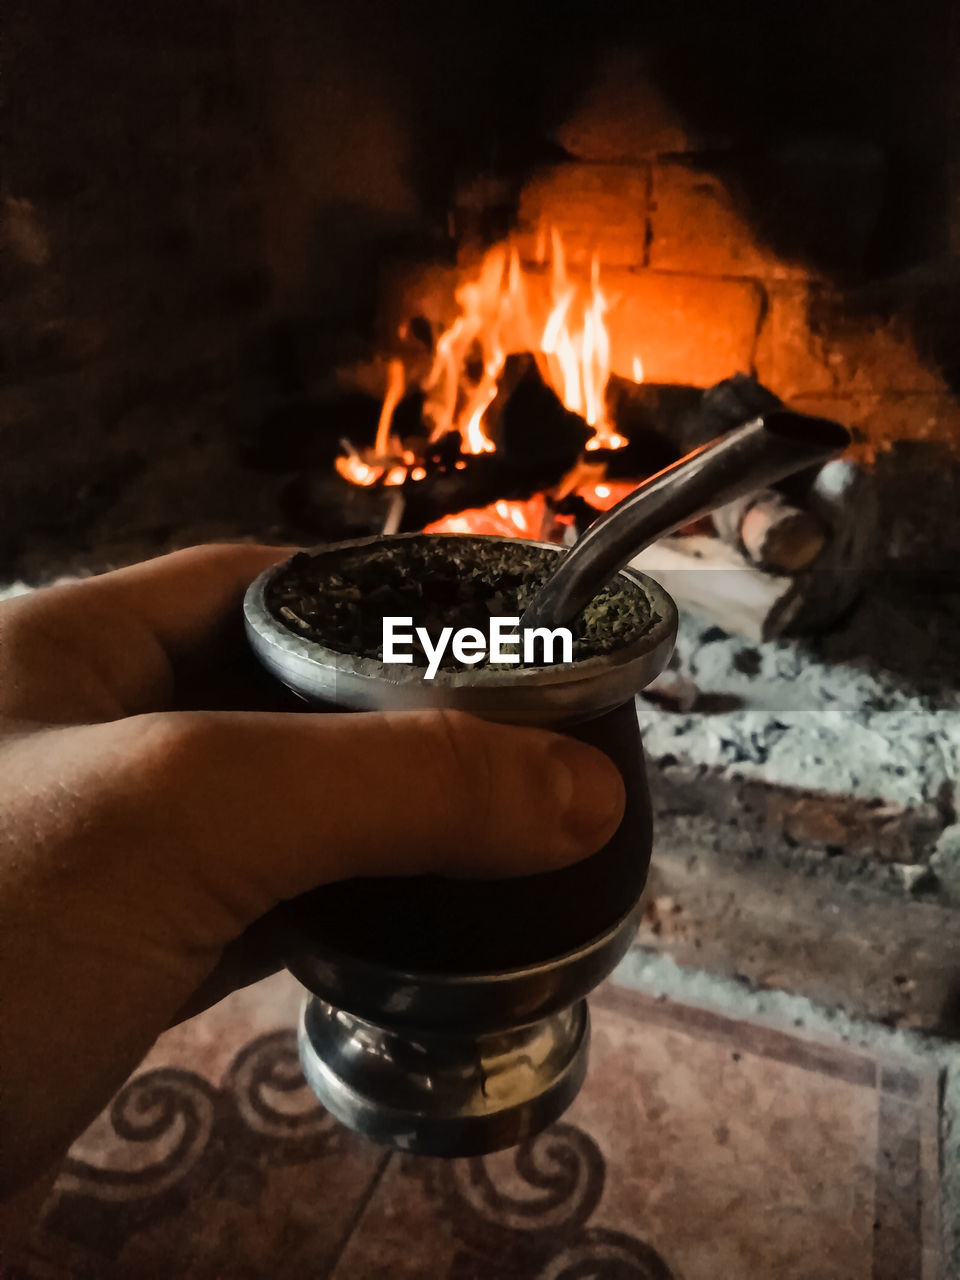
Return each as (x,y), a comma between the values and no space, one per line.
(536,435)
(484,480)
(537,442)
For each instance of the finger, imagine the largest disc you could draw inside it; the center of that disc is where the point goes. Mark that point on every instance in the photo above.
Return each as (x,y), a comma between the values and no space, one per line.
(259,808)
(183,597)
(108,646)
(255,955)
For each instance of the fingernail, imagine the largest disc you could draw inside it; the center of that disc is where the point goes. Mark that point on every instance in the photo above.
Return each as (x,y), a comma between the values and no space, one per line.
(590,794)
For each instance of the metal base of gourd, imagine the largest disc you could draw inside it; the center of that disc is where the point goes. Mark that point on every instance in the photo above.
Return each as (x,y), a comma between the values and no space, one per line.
(444,1095)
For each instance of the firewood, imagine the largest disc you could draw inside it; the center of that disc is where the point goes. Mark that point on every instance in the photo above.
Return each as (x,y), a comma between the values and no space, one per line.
(395,512)
(655,418)
(771,531)
(715,580)
(729,403)
(842,496)
(707,577)
(527,421)
(665,421)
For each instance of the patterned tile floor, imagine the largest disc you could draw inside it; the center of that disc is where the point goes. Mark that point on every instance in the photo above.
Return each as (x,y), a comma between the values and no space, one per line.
(700,1147)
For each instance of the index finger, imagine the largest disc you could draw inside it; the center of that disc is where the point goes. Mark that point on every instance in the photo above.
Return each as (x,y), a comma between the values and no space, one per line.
(183,597)
(107,647)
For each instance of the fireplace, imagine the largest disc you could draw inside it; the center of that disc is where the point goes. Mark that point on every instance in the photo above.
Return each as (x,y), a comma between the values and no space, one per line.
(237,236)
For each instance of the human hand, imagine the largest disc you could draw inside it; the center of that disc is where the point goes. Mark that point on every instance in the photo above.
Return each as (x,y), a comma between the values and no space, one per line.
(138,841)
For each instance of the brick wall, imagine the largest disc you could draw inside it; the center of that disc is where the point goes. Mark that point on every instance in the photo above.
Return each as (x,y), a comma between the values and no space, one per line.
(700,292)
(854,314)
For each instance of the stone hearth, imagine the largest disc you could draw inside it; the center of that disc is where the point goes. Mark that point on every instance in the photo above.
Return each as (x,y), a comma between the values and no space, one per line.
(806,806)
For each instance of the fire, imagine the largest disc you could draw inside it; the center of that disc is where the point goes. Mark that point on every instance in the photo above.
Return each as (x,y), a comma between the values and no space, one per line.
(576,345)
(352,467)
(506,519)
(470,355)
(498,315)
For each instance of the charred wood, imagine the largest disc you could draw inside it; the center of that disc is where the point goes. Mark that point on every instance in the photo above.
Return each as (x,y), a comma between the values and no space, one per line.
(529,424)
(663,422)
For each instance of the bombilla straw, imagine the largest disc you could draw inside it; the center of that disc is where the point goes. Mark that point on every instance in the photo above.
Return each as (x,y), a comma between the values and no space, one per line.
(757,454)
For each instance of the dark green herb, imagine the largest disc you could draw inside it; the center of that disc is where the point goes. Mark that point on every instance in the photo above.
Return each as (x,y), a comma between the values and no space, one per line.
(340,597)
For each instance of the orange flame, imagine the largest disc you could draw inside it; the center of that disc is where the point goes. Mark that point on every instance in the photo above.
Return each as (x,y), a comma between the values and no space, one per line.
(396,385)
(490,307)
(576,344)
(353,468)
(498,315)
(359,471)
(506,519)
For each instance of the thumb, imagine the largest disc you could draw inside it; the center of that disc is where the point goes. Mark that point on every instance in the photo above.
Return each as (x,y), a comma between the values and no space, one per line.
(264,807)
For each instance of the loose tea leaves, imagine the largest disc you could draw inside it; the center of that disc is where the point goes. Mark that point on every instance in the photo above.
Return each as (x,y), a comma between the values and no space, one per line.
(340,597)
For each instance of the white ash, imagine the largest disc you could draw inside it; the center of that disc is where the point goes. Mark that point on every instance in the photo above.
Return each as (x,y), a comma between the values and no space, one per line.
(766,744)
